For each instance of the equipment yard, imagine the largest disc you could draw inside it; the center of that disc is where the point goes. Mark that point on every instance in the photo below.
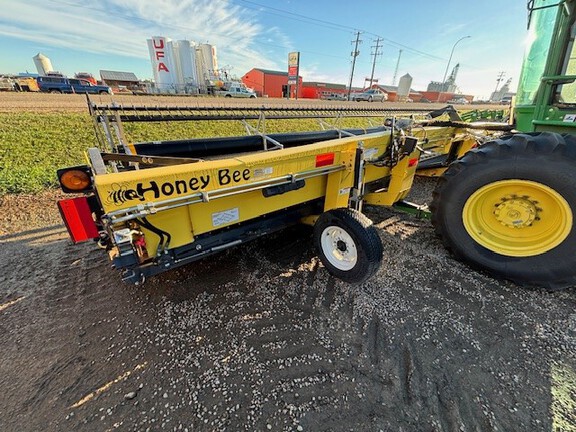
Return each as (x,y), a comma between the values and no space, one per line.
(261,337)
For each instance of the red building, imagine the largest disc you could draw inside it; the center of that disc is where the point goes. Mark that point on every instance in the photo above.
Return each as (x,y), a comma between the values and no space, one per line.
(321,90)
(434,96)
(270,83)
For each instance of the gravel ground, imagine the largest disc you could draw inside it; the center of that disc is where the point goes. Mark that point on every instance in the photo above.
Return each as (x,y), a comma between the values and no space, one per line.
(261,338)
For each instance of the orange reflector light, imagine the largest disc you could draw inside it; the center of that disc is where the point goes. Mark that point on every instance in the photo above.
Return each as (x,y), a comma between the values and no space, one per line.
(77,216)
(412,162)
(75,180)
(324,159)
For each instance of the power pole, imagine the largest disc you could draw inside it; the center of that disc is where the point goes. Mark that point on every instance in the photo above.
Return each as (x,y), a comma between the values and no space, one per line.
(498,79)
(376,53)
(397,65)
(354,54)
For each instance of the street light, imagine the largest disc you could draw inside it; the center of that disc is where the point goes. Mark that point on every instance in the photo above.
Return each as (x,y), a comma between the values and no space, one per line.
(448,65)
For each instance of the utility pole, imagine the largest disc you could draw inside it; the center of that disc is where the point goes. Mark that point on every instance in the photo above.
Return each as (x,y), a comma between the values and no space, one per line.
(498,79)
(354,54)
(397,66)
(376,53)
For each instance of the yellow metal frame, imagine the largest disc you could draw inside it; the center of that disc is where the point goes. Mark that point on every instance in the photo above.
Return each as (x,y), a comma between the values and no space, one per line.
(192,199)
(437,141)
(188,200)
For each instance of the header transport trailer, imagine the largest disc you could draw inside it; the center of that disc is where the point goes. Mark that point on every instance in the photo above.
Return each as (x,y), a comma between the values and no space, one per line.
(505,207)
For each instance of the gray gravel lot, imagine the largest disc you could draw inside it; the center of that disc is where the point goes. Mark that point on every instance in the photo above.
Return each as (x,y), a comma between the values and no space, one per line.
(261,338)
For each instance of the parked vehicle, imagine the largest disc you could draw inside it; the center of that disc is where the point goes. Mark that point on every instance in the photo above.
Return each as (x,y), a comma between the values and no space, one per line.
(54,84)
(334,96)
(87,77)
(18,83)
(371,95)
(26,84)
(235,90)
(459,101)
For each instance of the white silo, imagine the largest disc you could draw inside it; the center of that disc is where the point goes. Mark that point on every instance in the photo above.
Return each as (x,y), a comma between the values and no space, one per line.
(404,87)
(188,71)
(42,63)
(163,62)
(206,56)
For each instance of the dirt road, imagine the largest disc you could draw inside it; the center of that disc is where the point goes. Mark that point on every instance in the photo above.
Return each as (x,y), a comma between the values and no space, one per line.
(261,338)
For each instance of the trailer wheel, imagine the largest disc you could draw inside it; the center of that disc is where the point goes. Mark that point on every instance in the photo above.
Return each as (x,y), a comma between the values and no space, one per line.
(348,244)
(508,207)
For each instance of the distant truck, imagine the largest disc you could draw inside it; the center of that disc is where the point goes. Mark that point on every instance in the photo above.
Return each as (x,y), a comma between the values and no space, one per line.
(234,89)
(87,77)
(55,84)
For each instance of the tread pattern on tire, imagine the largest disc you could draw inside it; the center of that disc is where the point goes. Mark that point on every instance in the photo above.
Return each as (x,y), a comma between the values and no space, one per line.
(553,157)
(365,236)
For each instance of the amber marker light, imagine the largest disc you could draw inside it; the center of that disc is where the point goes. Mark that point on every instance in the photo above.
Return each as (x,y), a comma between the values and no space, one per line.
(75,179)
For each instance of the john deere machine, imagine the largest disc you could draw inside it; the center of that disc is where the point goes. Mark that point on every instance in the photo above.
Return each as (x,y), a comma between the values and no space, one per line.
(546,97)
(507,206)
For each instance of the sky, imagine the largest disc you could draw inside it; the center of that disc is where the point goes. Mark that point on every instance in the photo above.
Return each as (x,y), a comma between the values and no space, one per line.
(87,36)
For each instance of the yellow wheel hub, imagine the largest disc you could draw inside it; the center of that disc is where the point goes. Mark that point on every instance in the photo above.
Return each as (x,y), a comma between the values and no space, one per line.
(517,218)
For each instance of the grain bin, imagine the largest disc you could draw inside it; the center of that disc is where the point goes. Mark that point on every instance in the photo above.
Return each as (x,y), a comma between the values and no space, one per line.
(404,87)
(164,65)
(208,61)
(188,68)
(42,63)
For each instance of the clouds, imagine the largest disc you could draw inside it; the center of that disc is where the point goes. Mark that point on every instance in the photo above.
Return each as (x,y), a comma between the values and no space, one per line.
(111,34)
(121,27)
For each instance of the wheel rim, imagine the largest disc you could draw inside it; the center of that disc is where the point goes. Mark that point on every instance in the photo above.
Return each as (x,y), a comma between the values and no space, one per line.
(339,248)
(518,218)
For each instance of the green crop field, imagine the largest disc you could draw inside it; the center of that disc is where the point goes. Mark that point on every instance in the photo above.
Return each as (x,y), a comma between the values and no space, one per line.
(34,145)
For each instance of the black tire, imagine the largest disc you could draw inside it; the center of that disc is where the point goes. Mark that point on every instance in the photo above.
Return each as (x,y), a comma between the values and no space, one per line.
(508,207)
(228,96)
(370,99)
(56,91)
(348,244)
(252,97)
(103,92)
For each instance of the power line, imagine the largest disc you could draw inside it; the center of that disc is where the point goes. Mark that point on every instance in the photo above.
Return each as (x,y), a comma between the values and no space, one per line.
(339,26)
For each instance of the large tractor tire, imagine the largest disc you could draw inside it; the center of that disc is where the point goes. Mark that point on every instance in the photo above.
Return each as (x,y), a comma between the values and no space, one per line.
(348,244)
(508,207)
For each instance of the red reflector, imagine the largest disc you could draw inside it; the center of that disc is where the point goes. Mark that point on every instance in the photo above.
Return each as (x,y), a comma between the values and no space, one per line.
(78,219)
(324,159)
(412,162)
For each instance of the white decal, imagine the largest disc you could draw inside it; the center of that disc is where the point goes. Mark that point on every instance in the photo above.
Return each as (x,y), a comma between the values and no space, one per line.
(225,217)
(262,172)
